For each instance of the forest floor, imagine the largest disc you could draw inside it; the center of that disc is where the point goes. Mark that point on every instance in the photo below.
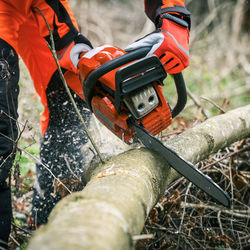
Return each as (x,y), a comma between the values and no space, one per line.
(184,218)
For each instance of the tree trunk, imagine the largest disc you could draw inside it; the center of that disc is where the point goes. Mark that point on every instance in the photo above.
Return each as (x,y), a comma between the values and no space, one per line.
(120,193)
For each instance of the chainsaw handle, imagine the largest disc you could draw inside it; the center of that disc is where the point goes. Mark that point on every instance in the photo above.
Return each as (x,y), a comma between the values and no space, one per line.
(92,79)
(181,94)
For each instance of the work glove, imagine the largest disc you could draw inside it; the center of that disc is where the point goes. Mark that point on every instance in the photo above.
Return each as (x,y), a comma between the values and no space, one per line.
(169,42)
(69,56)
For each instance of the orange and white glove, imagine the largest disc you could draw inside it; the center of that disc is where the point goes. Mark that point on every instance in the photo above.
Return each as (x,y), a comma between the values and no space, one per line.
(69,56)
(169,42)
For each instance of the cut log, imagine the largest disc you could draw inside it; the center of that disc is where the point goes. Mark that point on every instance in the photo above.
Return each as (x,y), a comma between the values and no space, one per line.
(120,193)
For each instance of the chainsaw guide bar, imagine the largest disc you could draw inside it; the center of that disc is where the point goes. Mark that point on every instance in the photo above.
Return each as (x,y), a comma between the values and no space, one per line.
(183,167)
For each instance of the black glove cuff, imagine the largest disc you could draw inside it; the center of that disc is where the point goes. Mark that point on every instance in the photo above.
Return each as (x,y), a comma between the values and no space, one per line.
(82,39)
(172,18)
(184,14)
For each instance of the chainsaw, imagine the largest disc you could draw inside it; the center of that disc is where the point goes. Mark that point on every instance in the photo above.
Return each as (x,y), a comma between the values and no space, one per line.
(125,92)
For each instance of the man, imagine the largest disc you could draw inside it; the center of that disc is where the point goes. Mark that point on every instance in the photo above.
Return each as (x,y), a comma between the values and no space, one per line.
(24,32)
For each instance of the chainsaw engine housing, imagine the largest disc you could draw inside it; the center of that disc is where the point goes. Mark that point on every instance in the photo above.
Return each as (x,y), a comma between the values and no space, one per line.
(132,89)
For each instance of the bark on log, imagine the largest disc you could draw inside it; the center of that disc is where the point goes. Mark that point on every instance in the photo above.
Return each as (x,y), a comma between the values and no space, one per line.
(119,194)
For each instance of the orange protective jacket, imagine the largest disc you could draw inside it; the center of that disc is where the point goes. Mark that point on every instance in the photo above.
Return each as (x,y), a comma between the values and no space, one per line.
(23,27)
(154,8)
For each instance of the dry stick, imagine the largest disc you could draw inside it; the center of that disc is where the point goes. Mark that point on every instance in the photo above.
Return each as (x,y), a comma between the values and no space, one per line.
(219,221)
(22,229)
(53,51)
(13,152)
(24,125)
(38,160)
(13,119)
(235,213)
(71,171)
(158,227)
(215,104)
(197,103)
(231,182)
(15,241)
(142,237)
(226,156)
(183,212)
(221,227)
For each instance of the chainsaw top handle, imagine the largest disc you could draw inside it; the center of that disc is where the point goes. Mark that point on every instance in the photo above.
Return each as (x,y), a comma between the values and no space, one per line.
(92,79)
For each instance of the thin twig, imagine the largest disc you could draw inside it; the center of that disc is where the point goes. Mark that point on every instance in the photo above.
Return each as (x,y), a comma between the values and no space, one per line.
(231,182)
(226,156)
(219,221)
(183,212)
(53,51)
(71,171)
(40,162)
(15,241)
(236,213)
(22,229)
(172,231)
(142,237)
(197,103)
(215,104)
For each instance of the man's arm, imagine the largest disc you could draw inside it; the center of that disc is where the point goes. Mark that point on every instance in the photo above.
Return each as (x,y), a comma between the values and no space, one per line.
(170,40)
(60,19)
(155,8)
(69,43)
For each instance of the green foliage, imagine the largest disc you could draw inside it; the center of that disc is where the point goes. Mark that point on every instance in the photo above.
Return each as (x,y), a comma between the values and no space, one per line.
(220,247)
(25,161)
(221,90)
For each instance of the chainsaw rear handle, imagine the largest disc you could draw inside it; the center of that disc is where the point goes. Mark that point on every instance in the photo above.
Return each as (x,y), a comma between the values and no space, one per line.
(181,94)
(92,79)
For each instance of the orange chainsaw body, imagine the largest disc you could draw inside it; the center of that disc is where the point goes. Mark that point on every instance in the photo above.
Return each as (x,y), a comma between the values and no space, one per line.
(103,99)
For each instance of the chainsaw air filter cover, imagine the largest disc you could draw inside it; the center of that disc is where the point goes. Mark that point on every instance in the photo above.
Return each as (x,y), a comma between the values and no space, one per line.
(142,101)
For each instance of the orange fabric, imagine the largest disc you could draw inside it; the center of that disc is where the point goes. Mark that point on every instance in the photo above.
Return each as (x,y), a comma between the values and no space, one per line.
(165,3)
(50,16)
(172,3)
(22,9)
(174,49)
(24,31)
(154,8)
(74,83)
(67,7)
(38,59)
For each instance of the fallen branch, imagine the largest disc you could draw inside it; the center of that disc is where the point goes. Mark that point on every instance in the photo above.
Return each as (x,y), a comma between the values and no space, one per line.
(234,212)
(119,194)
